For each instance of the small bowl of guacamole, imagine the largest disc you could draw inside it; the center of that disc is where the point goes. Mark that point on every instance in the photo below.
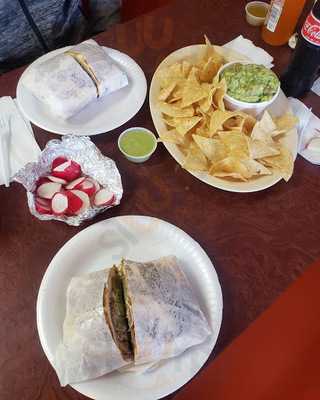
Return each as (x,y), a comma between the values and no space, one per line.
(137,144)
(249,86)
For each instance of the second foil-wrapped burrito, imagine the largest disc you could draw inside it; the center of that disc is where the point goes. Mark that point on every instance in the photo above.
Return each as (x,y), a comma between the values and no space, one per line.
(69,81)
(133,314)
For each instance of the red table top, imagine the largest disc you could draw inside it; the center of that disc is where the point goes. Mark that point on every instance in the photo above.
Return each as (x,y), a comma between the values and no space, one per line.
(276,358)
(259,242)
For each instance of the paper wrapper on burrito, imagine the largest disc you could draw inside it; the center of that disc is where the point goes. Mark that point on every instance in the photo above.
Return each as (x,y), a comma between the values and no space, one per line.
(163,313)
(88,350)
(69,81)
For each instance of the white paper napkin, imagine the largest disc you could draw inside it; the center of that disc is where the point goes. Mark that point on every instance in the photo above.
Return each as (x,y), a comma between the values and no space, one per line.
(22,145)
(309,128)
(247,48)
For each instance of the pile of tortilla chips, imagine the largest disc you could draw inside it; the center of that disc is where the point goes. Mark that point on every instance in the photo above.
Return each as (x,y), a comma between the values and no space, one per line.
(226,144)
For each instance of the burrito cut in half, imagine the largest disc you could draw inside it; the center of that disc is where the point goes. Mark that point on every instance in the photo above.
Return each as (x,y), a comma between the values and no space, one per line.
(132,314)
(115,312)
(163,313)
(87,350)
(69,81)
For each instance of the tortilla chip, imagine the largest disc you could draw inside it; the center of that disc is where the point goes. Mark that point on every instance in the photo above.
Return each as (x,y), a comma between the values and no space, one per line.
(172,136)
(165,92)
(206,102)
(259,149)
(184,124)
(219,94)
(234,123)
(202,128)
(195,160)
(210,52)
(266,122)
(219,118)
(233,175)
(192,92)
(286,122)
(176,94)
(277,133)
(170,74)
(176,110)
(209,70)
(193,77)
(186,68)
(255,168)
(282,162)
(215,80)
(248,123)
(237,144)
(169,121)
(213,149)
(229,167)
(261,135)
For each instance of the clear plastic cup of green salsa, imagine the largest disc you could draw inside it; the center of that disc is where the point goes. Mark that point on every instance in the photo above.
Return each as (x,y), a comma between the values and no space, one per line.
(137,144)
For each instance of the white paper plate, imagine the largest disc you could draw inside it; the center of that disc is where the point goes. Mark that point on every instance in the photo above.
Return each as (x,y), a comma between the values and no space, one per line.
(99,116)
(279,107)
(103,244)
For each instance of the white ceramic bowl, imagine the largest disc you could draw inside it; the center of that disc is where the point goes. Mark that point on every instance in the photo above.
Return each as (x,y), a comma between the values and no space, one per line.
(251,108)
(138,159)
(253,19)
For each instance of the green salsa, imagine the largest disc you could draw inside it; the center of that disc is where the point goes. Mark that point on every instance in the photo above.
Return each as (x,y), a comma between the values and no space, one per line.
(251,83)
(137,143)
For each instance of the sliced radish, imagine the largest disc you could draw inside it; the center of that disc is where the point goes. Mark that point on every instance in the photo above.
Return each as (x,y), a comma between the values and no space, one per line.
(57,180)
(88,187)
(104,198)
(74,203)
(43,206)
(76,183)
(96,183)
(41,180)
(42,210)
(47,190)
(85,200)
(69,170)
(59,203)
(57,161)
(43,202)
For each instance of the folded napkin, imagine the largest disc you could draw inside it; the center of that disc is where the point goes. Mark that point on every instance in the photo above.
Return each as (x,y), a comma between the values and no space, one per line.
(22,146)
(308,129)
(247,48)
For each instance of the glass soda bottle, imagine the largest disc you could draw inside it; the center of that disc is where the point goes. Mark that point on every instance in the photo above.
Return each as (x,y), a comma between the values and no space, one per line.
(305,64)
(281,21)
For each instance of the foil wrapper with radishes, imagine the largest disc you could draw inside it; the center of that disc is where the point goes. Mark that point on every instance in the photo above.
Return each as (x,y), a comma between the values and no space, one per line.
(71,182)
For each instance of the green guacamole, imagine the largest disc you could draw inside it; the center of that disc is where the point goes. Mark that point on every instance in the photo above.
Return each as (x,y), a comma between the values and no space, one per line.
(251,83)
(137,143)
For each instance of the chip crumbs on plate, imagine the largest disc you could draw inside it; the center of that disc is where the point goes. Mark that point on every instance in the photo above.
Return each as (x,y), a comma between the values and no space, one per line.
(225,144)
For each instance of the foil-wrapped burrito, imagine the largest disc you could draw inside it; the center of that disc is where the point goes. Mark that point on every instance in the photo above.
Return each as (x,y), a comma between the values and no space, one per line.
(69,81)
(133,314)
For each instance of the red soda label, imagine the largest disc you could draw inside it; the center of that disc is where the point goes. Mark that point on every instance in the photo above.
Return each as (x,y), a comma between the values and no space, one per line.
(311,30)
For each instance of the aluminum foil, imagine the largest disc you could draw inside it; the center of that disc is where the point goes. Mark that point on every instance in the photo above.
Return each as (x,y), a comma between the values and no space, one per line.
(93,163)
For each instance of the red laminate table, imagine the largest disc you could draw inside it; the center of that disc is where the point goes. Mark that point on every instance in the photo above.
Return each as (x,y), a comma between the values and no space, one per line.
(276,357)
(259,242)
